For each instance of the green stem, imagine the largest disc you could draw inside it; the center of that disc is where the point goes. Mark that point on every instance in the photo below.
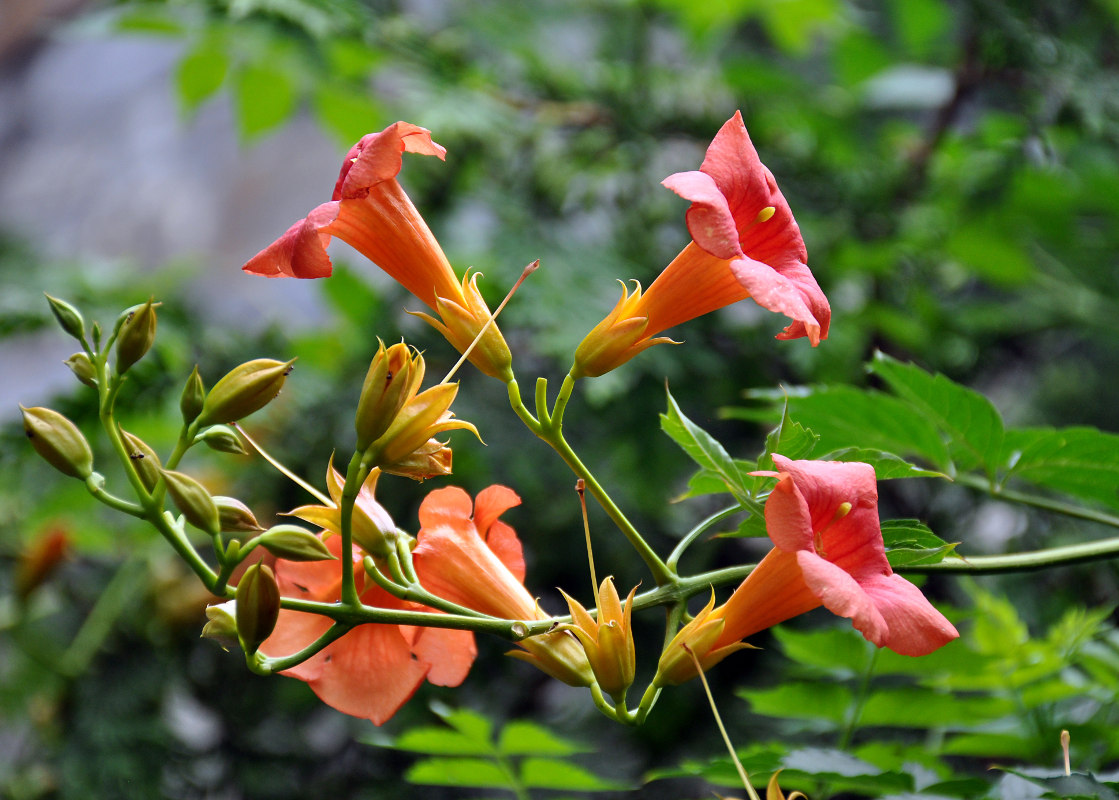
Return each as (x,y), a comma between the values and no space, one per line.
(698,531)
(1020,562)
(264,665)
(856,710)
(1036,501)
(549,427)
(355,476)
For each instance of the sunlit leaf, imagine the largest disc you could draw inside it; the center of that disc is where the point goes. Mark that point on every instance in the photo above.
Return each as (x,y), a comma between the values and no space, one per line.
(521,737)
(548,773)
(465,772)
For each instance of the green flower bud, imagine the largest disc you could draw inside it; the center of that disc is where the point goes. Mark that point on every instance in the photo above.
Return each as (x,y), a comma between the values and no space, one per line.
(82,368)
(234,516)
(144,459)
(68,317)
(294,543)
(245,389)
(59,441)
(393,378)
(193,500)
(194,395)
(223,439)
(137,332)
(221,625)
(258,606)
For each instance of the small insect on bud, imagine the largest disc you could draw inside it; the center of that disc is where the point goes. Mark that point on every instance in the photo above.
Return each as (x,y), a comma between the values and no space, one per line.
(68,317)
(82,368)
(194,395)
(194,501)
(137,332)
(245,389)
(258,606)
(223,439)
(294,544)
(59,441)
(144,459)
(234,516)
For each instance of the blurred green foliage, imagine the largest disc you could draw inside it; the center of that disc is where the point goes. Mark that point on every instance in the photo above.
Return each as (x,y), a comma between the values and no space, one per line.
(953,166)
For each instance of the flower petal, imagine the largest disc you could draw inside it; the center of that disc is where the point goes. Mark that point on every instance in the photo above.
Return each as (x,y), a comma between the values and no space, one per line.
(841,594)
(377,157)
(709,219)
(450,652)
(773,290)
(915,627)
(370,673)
(301,251)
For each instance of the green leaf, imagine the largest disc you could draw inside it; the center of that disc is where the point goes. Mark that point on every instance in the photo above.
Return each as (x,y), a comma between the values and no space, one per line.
(887,466)
(263,98)
(910,542)
(703,449)
(464,772)
(467,722)
(790,439)
(1077,786)
(550,773)
(836,650)
(443,742)
(520,737)
(973,425)
(1083,462)
(930,708)
(200,73)
(846,417)
(826,702)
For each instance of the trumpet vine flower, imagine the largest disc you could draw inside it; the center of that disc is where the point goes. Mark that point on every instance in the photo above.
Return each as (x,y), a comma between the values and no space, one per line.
(473,559)
(370,211)
(745,243)
(823,519)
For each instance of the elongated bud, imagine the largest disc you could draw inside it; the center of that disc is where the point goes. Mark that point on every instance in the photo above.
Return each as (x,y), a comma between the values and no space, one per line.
(234,516)
(223,439)
(59,441)
(144,459)
(194,395)
(392,380)
(258,606)
(193,500)
(82,368)
(221,625)
(245,389)
(294,543)
(68,317)
(137,332)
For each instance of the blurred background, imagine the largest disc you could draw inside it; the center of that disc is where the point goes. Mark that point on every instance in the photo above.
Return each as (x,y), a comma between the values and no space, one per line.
(952,164)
